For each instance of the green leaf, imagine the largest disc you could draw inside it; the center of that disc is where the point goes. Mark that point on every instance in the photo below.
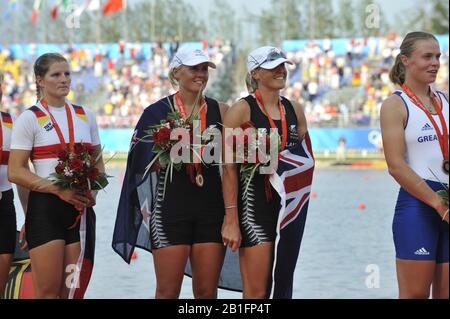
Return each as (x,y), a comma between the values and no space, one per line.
(149,166)
(101,182)
(444,195)
(157,149)
(164,159)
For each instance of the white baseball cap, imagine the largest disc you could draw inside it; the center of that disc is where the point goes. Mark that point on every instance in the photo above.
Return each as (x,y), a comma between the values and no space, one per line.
(266,57)
(190,57)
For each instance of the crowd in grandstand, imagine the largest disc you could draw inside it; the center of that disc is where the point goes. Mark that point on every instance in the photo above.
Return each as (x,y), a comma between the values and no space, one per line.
(335,89)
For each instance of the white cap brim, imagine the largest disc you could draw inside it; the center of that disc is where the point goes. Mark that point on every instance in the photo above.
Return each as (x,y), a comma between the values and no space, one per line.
(273,64)
(197,61)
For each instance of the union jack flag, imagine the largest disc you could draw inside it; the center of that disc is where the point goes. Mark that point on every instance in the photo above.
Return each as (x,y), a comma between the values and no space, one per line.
(292,181)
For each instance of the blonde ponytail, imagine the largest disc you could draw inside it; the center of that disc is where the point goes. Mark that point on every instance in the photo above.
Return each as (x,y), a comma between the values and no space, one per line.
(397,73)
(250,83)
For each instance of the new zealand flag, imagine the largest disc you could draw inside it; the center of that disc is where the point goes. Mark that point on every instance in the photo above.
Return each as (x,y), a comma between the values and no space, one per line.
(292,181)
(132,228)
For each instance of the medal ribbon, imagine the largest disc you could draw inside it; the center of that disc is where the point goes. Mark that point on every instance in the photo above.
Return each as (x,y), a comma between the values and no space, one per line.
(267,188)
(442,137)
(58,130)
(272,123)
(182,110)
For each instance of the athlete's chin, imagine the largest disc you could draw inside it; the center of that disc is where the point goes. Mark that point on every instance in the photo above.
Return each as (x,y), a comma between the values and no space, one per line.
(63,92)
(430,76)
(279,87)
(196,89)
(430,79)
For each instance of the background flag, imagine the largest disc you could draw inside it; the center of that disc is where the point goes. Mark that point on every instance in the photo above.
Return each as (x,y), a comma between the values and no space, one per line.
(89,5)
(113,6)
(36,7)
(55,8)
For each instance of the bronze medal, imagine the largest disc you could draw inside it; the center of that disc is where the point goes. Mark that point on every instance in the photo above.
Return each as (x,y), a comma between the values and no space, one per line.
(445,166)
(199,180)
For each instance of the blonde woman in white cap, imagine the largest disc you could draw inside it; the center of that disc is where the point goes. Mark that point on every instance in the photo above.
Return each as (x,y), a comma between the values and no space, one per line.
(250,222)
(186,221)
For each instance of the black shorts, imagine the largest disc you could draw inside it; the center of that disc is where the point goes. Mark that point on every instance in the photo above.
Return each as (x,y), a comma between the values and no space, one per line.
(188,214)
(258,216)
(8,224)
(196,229)
(48,218)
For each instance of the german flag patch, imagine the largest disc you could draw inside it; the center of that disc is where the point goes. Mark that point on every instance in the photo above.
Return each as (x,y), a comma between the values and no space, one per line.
(79,111)
(42,118)
(7,120)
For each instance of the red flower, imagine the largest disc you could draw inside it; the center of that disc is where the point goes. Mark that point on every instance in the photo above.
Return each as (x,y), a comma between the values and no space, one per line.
(162,136)
(76,164)
(89,148)
(171,123)
(93,173)
(165,134)
(79,148)
(63,156)
(80,163)
(59,169)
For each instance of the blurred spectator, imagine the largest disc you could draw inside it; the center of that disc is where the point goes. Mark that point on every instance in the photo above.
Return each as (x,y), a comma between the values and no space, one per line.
(334,90)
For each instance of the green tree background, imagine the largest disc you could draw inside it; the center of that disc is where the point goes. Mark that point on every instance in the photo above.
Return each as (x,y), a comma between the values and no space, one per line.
(164,20)
(169,20)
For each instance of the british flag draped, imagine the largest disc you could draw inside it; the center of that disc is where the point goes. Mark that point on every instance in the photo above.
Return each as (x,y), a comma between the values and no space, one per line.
(292,181)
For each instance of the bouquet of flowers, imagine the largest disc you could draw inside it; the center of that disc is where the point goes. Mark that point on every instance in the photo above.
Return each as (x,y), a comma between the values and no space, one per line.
(160,134)
(254,152)
(76,170)
(162,144)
